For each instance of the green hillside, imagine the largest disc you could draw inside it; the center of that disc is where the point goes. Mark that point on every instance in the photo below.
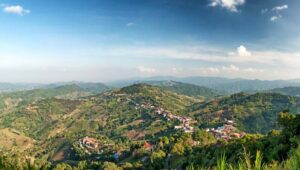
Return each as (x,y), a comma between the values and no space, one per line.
(188,89)
(256,113)
(291,91)
(138,124)
(120,117)
(72,91)
(168,99)
(86,86)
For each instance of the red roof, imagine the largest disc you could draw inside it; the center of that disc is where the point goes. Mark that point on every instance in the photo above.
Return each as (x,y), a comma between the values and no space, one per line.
(147,145)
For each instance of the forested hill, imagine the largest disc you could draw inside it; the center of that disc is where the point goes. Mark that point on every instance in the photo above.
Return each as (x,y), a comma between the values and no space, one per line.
(291,91)
(188,89)
(168,99)
(217,83)
(125,114)
(254,113)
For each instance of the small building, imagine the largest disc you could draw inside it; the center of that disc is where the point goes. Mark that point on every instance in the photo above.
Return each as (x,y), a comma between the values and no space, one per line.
(148,146)
(229,122)
(178,127)
(90,143)
(236,135)
(188,131)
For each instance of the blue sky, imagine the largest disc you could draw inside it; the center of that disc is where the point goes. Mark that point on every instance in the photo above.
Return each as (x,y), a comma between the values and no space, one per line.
(97,40)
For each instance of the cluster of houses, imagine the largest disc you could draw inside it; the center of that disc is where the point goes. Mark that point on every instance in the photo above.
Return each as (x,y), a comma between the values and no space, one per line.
(226,132)
(138,106)
(185,121)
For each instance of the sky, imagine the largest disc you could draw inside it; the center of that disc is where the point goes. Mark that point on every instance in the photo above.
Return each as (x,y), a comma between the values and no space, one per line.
(106,40)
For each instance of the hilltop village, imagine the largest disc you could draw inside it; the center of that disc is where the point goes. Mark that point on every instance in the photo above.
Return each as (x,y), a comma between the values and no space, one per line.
(144,108)
(185,122)
(225,132)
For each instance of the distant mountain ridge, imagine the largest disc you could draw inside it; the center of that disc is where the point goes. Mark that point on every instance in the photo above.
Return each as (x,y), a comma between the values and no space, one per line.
(17,86)
(290,91)
(187,89)
(217,83)
(88,86)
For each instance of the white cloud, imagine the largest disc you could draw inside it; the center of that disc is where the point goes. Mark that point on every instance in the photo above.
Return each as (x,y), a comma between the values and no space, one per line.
(147,70)
(253,70)
(130,24)
(205,53)
(277,9)
(230,68)
(228,71)
(280,8)
(263,11)
(231,5)
(243,52)
(15,9)
(275,18)
(210,70)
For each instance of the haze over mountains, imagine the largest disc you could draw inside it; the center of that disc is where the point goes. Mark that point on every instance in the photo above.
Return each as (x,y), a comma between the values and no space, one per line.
(217,83)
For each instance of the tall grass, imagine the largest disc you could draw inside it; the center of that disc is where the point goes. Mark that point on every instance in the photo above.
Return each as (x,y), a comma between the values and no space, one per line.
(258,161)
(244,164)
(221,162)
(293,163)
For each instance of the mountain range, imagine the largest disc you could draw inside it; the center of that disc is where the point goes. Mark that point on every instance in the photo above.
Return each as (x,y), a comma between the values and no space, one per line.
(217,83)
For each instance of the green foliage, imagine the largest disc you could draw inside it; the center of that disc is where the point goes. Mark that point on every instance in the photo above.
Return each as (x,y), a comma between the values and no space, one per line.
(204,137)
(291,91)
(178,149)
(127,166)
(258,161)
(293,163)
(221,163)
(63,166)
(157,159)
(253,113)
(110,166)
(190,90)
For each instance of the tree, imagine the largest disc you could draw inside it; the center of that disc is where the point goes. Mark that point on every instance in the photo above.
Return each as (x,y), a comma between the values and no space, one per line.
(82,165)
(127,166)
(204,137)
(63,166)
(290,123)
(157,159)
(165,140)
(178,149)
(110,166)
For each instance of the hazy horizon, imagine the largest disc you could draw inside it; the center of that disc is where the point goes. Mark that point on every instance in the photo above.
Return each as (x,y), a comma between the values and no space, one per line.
(150,78)
(102,41)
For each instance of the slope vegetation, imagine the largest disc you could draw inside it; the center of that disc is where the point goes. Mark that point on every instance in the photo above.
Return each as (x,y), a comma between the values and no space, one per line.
(252,113)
